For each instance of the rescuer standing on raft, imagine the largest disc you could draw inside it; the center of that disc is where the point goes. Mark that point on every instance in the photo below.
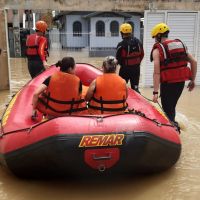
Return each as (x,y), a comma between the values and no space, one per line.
(129,56)
(171,69)
(37,50)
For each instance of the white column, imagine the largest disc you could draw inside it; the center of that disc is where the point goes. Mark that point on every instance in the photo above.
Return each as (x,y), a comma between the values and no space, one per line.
(34,21)
(24,17)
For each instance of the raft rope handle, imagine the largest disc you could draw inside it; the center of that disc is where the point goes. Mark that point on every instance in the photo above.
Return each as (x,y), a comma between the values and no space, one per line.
(131,111)
(1,121)
(108,157)
(136,112)
(2,128)
(29,128)
(164,114)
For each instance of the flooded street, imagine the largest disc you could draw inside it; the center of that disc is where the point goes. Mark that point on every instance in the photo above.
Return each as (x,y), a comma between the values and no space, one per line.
(181,182)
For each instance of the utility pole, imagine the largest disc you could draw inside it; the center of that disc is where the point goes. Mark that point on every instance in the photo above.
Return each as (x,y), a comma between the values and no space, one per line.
(16,33)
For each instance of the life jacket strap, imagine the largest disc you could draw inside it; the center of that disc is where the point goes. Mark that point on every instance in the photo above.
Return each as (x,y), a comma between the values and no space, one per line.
(169,68)
(102,102)
(62,102)
(173,60)
(107,109)
(33,47)
(108,101)
(69,111)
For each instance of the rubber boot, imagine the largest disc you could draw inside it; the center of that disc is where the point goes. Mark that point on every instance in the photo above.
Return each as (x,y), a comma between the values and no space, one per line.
(136,88)
(177,126)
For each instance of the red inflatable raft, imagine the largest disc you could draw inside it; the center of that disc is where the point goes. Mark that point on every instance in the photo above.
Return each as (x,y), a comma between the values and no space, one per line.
(139,141)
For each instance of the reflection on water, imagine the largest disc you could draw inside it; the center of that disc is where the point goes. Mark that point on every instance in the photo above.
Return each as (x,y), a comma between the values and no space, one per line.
(179,183)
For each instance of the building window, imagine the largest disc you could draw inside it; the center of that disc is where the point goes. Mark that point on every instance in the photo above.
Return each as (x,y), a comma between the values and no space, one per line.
(114,28)
(100,29)
(77,29)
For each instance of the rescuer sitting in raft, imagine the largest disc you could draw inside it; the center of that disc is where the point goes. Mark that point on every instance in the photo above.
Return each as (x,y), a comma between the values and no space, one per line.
(108,92)
(60,94)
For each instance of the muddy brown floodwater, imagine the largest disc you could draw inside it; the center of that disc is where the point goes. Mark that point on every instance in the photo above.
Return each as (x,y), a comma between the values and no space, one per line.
(181,182)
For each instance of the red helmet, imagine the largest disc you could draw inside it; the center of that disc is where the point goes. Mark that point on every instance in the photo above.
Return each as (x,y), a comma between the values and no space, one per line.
(41,26)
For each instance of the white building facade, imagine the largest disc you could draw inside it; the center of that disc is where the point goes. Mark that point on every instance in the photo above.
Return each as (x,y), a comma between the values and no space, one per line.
(183,25)
(97,31)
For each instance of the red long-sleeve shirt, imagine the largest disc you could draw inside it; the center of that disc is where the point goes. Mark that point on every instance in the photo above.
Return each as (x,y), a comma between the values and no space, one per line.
(42,48)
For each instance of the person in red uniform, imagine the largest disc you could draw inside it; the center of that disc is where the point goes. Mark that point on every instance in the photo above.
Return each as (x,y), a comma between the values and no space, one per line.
(36,52)
(173,65)
(107,94)
(129,56)
(60,94)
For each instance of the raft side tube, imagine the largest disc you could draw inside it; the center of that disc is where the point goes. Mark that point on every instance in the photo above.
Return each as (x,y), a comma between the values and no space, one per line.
(63,155)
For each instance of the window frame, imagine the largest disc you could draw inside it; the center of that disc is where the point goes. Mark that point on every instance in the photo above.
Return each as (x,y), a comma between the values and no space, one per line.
(78,26)
(114,33)
(100,33)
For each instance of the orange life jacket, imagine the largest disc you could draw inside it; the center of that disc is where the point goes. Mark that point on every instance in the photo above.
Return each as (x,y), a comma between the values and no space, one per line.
(109,96)
(32,45)
(62,96)
(173,61)
(132,55)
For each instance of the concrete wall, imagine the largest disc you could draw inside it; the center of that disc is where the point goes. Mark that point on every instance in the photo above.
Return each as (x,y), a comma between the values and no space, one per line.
(4,73)
(103,5)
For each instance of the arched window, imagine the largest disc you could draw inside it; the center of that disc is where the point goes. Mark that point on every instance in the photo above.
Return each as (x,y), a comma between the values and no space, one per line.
(77,29)
(114,28)
(100,29)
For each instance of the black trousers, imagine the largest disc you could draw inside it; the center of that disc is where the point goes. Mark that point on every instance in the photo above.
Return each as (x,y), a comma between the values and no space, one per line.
(132,74)
(35,66)
(170,94)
